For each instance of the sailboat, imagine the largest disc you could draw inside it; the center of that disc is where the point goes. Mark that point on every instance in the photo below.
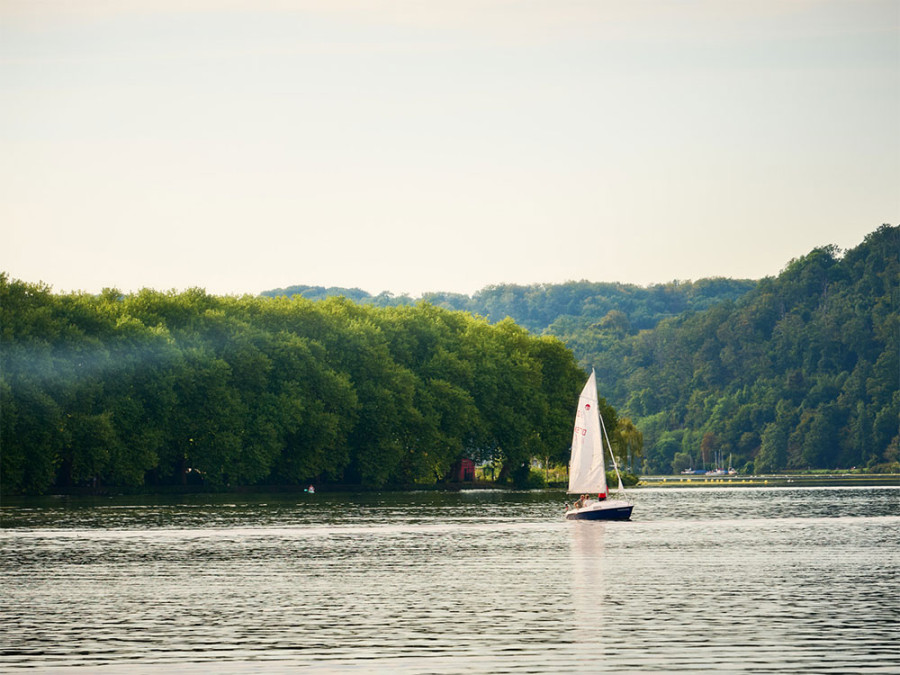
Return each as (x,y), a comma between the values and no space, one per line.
(587,468)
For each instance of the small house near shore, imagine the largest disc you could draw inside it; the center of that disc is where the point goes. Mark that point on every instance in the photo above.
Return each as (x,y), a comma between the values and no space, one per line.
(463,471)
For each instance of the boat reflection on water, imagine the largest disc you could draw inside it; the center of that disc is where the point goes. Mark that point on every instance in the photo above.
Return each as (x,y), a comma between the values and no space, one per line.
(585,629)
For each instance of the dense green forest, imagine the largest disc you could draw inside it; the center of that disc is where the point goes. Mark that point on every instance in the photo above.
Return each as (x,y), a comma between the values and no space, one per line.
(557,307)
(159,388)
(791,372)
(155,388)
(801,372)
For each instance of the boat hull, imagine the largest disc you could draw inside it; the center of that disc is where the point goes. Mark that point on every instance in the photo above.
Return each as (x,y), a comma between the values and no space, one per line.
(602,512)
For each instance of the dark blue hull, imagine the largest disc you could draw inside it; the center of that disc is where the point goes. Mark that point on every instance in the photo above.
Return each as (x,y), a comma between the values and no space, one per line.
(617,513)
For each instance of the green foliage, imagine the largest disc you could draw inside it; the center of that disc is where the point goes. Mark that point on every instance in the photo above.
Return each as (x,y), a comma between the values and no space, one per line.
(794,371)
(628,445)
(528,479)
(566,310)
(681,461)
(628,479)
(166,388)
(801,372)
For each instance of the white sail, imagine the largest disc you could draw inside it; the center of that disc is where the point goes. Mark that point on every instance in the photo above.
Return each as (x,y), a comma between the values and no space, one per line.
(587,471)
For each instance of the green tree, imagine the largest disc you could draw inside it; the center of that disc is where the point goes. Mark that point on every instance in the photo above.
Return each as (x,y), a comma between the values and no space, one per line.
(681,462)
(821,445)
(629,444)
(773,452)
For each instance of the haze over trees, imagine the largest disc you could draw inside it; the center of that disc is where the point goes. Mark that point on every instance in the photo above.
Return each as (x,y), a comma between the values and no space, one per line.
(155,388)
(160,388)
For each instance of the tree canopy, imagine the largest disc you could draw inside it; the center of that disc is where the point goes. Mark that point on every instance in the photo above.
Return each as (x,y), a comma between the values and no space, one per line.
(560,309)
(165,388)
(797,371)
(801,372)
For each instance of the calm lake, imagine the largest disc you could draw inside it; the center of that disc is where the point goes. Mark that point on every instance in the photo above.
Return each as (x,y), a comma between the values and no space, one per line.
(769,579)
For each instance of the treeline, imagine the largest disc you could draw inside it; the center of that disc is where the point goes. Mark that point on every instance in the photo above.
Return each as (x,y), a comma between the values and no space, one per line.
(558,308)
(157,388)
(801,372)
(796,371)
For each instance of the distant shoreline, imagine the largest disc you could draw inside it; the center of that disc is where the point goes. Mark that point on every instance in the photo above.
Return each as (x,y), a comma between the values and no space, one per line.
(773,480)
(670,481)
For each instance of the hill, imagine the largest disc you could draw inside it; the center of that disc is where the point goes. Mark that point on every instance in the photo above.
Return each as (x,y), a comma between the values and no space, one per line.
(798,371)
(555,308)
(794,371)
(801,372)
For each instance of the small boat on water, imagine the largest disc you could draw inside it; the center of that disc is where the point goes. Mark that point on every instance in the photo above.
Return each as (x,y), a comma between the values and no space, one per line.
(587,467)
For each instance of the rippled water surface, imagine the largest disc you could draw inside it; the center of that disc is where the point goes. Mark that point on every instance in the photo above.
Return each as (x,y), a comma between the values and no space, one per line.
(716,580)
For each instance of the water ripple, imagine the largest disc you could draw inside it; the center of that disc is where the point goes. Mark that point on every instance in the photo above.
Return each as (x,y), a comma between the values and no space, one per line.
(422,583)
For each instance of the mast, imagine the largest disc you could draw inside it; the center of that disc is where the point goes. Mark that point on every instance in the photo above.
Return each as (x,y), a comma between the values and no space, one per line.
(612,456)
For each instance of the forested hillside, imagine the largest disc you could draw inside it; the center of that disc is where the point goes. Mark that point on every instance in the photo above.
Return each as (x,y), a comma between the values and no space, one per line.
(165,388)
(801,372)
(558,307)
(796,371)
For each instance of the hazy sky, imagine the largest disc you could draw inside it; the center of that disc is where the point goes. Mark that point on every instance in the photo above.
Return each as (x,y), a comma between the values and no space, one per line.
(416,145)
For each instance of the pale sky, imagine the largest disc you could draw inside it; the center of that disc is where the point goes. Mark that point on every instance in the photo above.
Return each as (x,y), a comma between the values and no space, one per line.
(439,145)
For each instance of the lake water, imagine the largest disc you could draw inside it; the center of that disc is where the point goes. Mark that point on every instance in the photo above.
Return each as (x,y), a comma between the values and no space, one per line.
(701,580)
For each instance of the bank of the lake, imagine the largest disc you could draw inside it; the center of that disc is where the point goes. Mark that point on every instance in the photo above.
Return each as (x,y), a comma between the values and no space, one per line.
(640,482)
(784,479)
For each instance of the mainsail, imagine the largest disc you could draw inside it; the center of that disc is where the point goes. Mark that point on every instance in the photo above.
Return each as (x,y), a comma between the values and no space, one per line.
(587,472)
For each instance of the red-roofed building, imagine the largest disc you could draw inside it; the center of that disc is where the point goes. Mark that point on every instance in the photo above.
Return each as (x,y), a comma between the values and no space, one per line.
(463,471)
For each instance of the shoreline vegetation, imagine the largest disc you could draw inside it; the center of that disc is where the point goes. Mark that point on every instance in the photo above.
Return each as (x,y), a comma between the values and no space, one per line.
(155,389)
(783,374)
(810,479)
(793,479)
(167,390)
